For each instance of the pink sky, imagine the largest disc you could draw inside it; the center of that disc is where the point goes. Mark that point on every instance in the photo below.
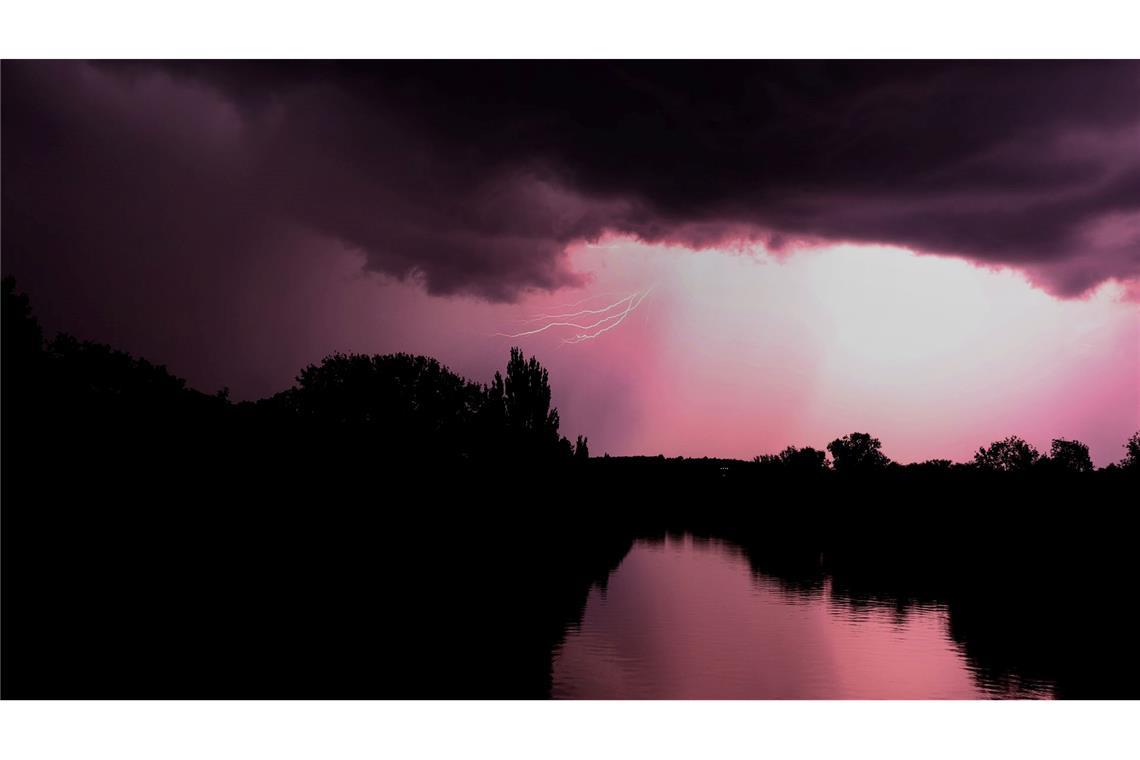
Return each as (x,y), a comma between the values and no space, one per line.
(735,353)
(238,232)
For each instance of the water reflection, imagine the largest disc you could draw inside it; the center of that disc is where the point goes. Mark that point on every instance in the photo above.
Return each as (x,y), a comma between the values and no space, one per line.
(697,618)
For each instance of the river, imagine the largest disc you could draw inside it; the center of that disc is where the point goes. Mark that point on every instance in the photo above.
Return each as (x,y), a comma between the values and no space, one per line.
(689,618)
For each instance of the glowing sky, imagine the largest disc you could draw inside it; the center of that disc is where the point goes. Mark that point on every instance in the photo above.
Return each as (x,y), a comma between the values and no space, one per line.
(736,354)
(237,221)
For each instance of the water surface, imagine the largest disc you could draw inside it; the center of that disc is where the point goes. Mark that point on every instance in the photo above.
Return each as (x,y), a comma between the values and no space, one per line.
(688,618)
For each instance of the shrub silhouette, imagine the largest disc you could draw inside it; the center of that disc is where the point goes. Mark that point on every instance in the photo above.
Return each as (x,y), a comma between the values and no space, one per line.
(936,465)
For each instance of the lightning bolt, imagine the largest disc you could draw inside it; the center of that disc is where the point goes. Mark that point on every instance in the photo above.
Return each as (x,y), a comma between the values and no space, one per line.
(633,303)
(582,312)
(620,309)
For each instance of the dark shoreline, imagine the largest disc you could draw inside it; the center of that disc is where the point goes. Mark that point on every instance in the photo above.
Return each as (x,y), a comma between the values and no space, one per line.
(465,590)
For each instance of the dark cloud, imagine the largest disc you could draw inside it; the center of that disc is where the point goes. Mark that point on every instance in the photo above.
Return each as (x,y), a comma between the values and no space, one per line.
(474,176)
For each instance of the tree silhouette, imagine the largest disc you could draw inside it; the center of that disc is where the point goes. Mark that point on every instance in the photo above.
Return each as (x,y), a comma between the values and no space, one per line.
(416,404)
(22,335)
(857,452)
(527,397)
(1070,456)
(397,402)
(1012,454)
(21,351)
(102,371)
(531,425)
(1132,452)
(581,448)
(795,460)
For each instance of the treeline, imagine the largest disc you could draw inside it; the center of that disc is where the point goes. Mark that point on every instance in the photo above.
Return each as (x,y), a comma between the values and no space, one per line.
(860,453)
(396,405)
(347,537)
(400,406)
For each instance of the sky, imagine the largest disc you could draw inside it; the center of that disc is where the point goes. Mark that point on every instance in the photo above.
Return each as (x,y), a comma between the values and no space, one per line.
(939,253)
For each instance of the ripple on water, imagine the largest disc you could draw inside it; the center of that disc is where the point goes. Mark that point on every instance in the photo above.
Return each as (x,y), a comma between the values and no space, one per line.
(684,619)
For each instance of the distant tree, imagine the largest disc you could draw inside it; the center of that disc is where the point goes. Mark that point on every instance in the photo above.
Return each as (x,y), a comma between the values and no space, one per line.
(806,458)
(22,361)
(1132,452)
(581,448)
(792,459)
(114,377)
(931,467)
(492,417)
(21,351)
(857,452)
(565,449)
(22,335)
(1012,454)
(1069,456)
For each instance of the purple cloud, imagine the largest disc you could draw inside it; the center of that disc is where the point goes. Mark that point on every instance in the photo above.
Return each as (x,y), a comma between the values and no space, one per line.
(473,177)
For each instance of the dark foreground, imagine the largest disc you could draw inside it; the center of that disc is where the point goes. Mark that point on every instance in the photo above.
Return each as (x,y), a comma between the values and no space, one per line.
(365,583)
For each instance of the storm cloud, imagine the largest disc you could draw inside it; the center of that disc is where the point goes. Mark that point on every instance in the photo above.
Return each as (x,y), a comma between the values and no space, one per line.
(474,177)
